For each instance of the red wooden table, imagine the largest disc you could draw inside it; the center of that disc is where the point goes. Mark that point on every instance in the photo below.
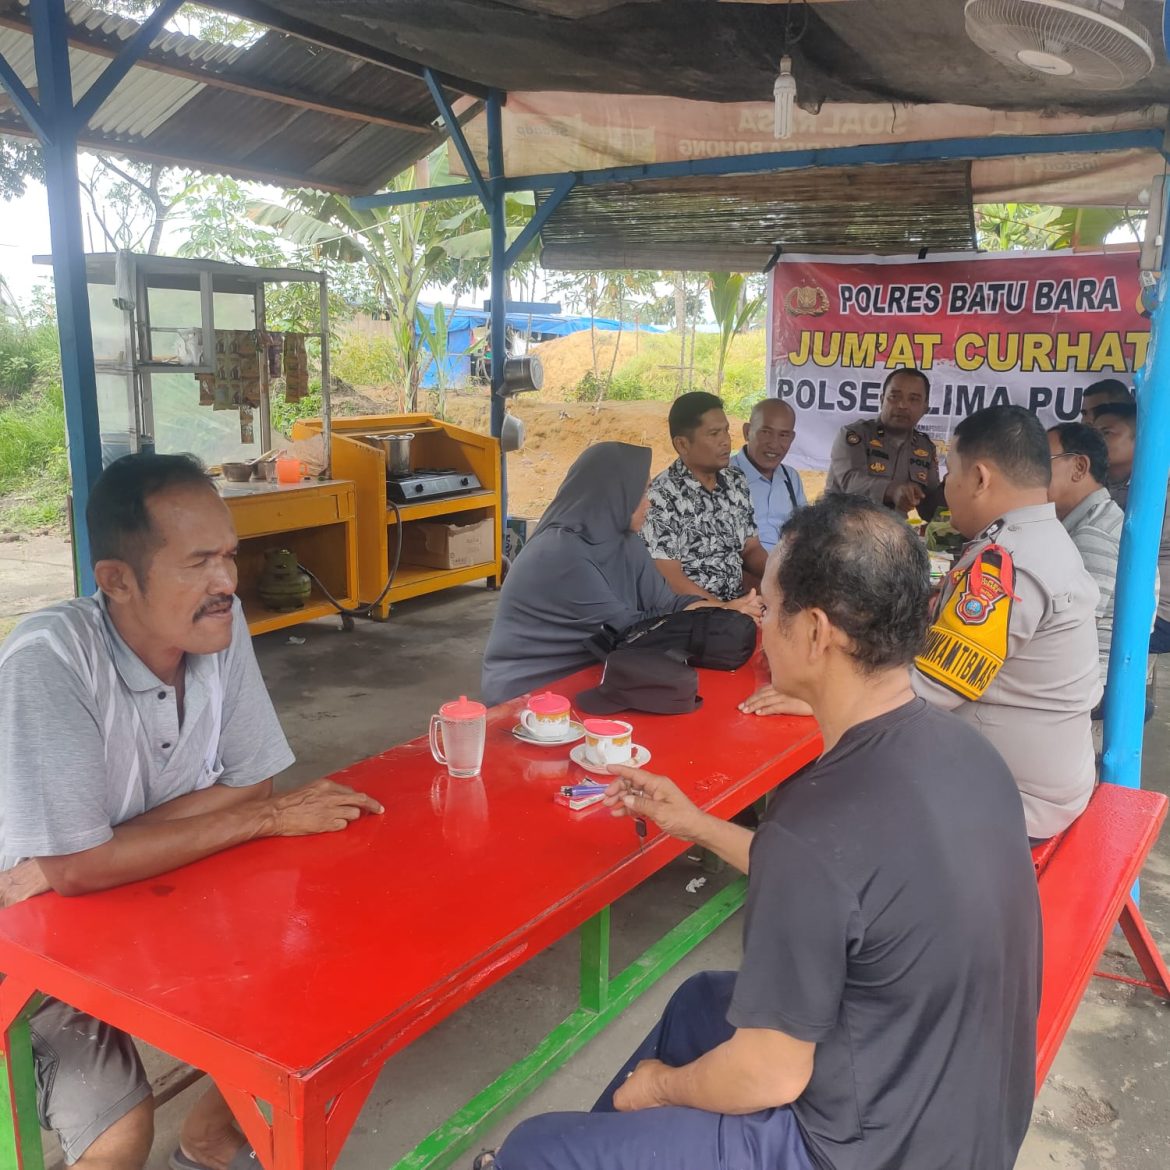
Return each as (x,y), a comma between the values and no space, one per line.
(291,970)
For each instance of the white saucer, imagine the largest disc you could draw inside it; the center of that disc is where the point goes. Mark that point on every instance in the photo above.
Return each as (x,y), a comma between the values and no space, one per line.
(640,758)
(576,731)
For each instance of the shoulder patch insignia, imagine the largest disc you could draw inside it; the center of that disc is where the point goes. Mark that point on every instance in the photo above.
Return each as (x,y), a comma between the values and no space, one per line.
(877,466)
(852,438)
(967,645)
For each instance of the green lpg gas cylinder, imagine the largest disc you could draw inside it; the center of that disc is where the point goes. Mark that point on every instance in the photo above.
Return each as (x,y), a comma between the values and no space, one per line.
(283,585)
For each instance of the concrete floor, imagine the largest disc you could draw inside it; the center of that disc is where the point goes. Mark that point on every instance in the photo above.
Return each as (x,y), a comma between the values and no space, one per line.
(343,697)
(35,571)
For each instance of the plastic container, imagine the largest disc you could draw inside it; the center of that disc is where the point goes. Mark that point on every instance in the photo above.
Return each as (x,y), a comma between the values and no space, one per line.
(457,736)
(289,470)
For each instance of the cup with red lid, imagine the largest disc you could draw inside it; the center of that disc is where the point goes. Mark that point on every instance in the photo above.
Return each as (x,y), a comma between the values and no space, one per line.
(608,741)
(547,717)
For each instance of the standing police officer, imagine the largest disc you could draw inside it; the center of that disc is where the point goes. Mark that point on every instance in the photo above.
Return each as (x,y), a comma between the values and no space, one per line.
(888,459)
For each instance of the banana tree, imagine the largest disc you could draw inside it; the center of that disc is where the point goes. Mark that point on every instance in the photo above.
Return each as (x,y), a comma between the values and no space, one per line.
(1006,227)
(733,310)
(391,246)
(403,249)
(435,334)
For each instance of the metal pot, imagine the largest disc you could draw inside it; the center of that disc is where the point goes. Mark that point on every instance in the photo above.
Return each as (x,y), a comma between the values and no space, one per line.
(396,449)
(237,472)
(511,434)
(522,373)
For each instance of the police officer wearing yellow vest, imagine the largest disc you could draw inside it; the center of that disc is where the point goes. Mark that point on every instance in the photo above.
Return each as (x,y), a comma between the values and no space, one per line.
(1012,646)
(888,458)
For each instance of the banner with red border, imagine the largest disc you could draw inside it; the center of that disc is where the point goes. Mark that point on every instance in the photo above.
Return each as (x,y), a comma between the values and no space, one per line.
(1029,328)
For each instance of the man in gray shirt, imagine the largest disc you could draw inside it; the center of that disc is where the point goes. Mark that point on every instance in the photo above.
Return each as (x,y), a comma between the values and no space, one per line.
(1080,467)
(884,1014)
(1117,422)
(1013,646)
(136,736)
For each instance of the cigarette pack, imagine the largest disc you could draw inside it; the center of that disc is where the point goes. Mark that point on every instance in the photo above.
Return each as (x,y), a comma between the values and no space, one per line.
(579,802)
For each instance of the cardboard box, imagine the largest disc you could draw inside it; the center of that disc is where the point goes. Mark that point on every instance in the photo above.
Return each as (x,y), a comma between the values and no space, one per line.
(448,546)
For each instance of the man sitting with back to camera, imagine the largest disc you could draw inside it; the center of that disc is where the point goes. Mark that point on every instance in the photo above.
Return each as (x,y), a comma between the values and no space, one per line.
(700,527)
(884,1014)
(136,735)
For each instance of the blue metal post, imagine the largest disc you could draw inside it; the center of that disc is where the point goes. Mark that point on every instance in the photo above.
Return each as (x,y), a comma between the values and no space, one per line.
(499,291)
(1138,561)
(78,379)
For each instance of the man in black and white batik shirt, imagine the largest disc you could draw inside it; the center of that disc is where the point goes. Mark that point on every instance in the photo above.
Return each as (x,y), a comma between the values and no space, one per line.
(701,527)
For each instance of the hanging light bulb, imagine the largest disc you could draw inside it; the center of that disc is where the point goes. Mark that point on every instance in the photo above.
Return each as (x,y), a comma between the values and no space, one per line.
(784,95)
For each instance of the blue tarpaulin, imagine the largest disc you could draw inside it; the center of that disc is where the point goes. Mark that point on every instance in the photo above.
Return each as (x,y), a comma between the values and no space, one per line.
(463,323)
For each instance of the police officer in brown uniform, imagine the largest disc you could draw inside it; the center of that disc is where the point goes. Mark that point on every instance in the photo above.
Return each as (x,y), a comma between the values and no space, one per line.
(888,459)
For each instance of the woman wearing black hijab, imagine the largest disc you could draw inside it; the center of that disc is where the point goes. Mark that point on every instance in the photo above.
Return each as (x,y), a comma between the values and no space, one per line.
(586,566)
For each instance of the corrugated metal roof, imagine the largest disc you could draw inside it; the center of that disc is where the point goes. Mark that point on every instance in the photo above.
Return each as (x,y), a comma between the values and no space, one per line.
(853,50)
(135,108)
(280,108)
(115,28)
(736,222)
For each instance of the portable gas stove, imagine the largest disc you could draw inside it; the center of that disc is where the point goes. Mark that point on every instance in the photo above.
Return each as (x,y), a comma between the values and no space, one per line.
(425,483)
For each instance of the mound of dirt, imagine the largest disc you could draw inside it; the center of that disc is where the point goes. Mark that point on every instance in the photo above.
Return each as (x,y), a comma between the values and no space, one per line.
(566,360)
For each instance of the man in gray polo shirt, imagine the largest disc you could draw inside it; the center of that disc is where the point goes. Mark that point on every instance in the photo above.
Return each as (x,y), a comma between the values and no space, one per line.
(136,735)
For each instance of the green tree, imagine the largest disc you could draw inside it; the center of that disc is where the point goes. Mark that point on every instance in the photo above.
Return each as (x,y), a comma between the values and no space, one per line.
(132,201)
(1006,227)
(461,232)
(20,162)
(604,293)
(734,310)
(401,250)
(435,334)
(390,248)
(193,20)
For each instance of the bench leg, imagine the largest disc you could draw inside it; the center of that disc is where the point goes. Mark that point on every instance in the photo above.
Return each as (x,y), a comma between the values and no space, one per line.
(20,1130)
(1145,950)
